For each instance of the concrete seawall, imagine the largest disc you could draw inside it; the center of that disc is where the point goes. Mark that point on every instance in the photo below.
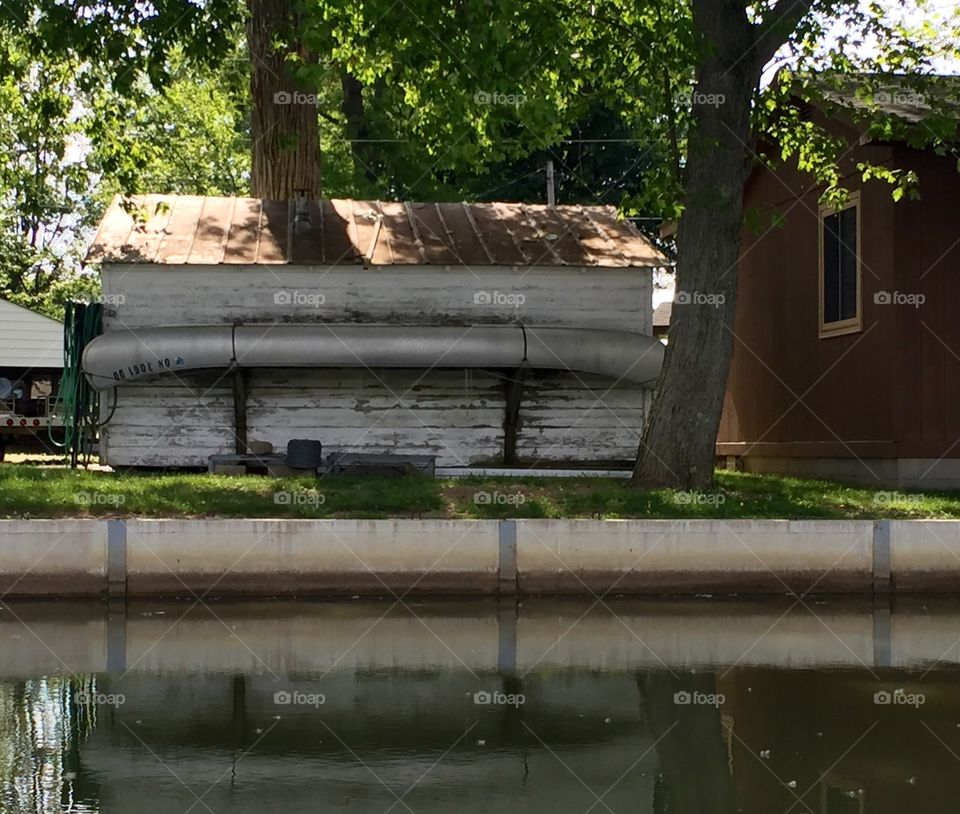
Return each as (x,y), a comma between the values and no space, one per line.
(144,558)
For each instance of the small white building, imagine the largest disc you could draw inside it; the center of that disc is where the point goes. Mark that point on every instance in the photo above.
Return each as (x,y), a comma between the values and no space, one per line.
(29,340)
(31,364)
(479,333)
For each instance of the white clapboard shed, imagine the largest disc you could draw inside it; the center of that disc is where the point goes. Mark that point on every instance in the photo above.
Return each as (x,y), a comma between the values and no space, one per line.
(479,333)
(28,340)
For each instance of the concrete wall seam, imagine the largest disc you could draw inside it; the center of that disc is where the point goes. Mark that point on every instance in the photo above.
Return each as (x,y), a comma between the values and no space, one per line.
(507,560)
(116,558)
(881,556)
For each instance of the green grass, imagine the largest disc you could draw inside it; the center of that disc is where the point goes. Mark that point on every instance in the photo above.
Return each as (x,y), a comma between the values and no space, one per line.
(28,490)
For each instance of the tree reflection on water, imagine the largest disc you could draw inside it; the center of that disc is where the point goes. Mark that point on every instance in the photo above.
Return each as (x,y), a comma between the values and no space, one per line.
(41,731)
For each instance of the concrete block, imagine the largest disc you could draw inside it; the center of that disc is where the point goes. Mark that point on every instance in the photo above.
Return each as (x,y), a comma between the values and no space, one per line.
(255,447)
(53,558)
(925,555)
(694,556)
(335,557)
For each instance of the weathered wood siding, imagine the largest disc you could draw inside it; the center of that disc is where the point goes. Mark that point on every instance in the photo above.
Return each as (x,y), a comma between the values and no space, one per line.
(580,417)
(173,421)
(150,296)
(453,414)
(456,415)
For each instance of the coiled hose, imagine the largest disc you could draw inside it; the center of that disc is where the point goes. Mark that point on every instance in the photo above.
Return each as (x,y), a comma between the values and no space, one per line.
(77,402)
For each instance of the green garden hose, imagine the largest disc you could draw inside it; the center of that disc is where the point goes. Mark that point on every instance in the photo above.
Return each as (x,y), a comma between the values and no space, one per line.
(77,402)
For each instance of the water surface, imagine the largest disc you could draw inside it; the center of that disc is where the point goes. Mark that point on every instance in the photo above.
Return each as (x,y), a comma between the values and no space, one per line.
(819,706)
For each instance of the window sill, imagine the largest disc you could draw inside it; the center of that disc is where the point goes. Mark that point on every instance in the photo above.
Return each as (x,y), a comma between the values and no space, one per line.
(841,329)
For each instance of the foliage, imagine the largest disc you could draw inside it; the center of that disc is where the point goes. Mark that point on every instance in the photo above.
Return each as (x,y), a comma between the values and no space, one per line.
(469,100)
(875,60)
(66,146)
(470,81)
(91,103)
(420,99)
(190,137)
(126,39)
(44,180)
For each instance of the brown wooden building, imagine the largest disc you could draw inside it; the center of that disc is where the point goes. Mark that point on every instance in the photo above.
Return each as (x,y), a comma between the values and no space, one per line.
(846,360)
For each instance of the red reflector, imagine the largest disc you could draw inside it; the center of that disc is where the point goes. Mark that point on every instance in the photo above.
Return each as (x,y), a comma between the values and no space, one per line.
(9,422)
(23,422)
(36,422)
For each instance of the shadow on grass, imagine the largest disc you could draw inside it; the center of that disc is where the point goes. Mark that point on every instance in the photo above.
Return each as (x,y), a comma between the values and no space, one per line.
(31,491)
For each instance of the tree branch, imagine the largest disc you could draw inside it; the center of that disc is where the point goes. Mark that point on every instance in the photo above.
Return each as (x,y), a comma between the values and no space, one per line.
(777,26)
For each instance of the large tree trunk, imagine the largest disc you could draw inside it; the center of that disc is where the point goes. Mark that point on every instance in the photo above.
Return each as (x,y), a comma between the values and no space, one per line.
(285,139)
(357,128)
(367,166)
(678,445)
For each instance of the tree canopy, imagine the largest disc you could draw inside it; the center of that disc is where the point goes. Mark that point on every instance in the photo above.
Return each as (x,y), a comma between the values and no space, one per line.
(660,107)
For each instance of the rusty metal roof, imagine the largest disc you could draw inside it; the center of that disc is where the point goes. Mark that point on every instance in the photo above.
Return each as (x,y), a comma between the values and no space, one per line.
(178,229)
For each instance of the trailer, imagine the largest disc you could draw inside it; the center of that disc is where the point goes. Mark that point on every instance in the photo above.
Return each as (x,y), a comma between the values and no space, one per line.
(31,369)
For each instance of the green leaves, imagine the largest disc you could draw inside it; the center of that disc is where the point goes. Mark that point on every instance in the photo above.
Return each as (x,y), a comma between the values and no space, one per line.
(44,177)
(457,98)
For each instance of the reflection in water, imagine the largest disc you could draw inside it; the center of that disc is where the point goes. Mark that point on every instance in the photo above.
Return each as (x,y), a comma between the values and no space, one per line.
(690,743)
(41,729)
(500,730)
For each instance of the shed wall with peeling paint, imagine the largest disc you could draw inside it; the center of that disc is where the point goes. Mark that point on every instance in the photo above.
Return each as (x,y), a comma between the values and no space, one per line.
(456,415)
(193,261)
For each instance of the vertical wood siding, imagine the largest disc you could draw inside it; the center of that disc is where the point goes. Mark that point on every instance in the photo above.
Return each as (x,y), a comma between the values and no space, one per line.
(893,388)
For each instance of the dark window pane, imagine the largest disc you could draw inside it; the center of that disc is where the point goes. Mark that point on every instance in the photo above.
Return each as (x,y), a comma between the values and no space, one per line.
(840,266)
(848,263)
(831,268)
